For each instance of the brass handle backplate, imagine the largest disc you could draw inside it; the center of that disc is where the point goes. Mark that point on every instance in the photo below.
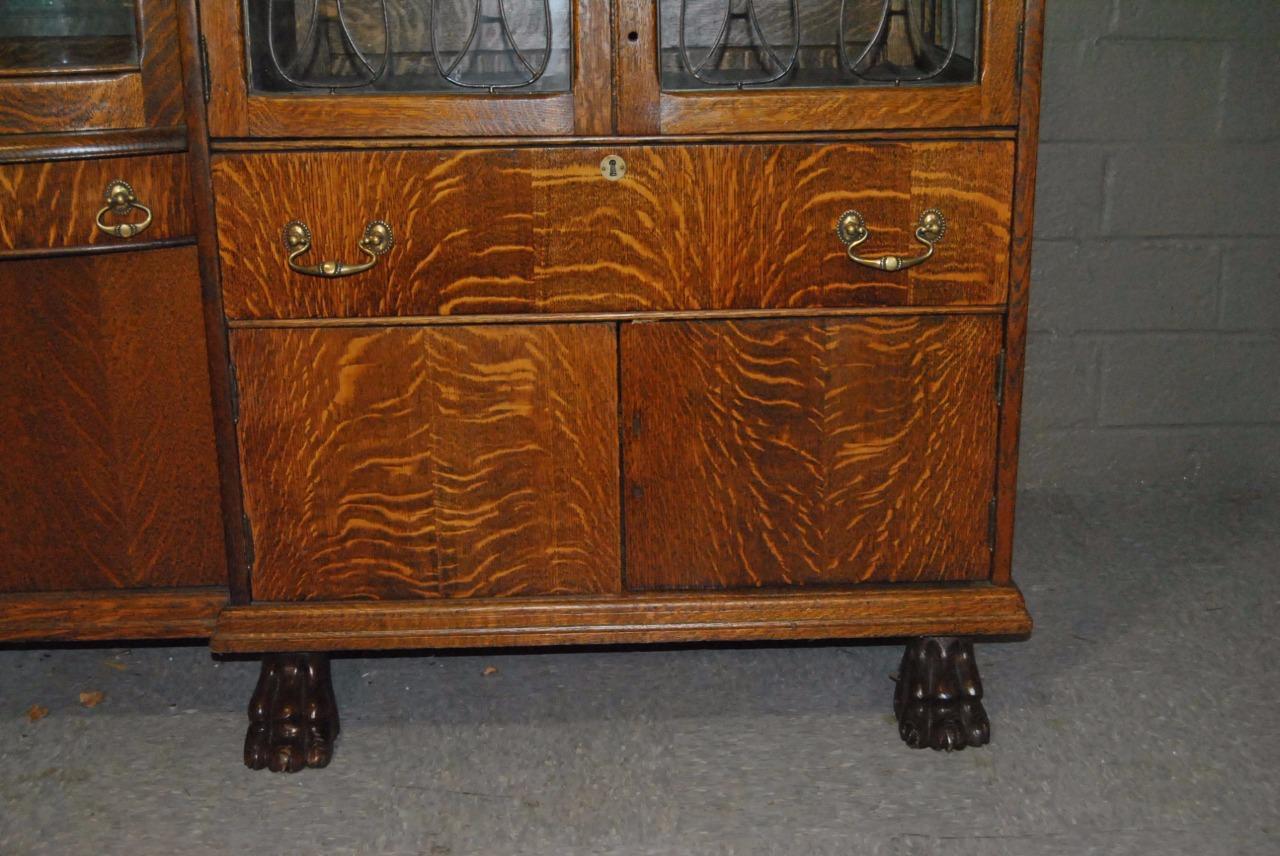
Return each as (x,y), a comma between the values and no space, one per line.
(120,200)
(377,239)
(851,229)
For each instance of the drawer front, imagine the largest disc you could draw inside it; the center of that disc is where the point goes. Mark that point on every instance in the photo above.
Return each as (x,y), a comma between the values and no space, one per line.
(800,452)
(406,463)
(708,227)
(50,206)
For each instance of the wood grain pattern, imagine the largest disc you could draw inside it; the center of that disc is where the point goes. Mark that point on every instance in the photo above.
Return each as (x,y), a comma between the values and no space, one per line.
(644,109)
(403,463)
(150,97)
(30,148)
(92,616)
(539,230)
(765,453)
(109,479)
(53,205)
(860,612)
(1020,286)
(41,105)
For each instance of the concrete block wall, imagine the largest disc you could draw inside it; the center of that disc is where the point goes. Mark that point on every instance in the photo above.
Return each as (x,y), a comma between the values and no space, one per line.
(1154,348)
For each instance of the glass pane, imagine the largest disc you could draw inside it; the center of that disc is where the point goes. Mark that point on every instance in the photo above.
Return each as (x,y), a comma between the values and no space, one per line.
(62,36)
(367,46)
(709,44)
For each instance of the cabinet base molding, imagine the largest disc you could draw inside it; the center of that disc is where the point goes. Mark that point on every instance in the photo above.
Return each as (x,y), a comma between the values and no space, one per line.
(962,609)
(90,616)
(938,701)
(293,715)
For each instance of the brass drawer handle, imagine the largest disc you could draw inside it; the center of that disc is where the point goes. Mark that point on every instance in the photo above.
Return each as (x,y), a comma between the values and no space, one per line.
(851,228)
(121,200)
(376,241)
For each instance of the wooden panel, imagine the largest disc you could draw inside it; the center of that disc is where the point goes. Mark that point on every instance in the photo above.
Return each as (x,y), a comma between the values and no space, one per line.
(99,616)
(644,109)
(787,452)
(411,463)
(109,479)
(1019,289)
(53,205)
(32,106)
(861,612)
(540,230)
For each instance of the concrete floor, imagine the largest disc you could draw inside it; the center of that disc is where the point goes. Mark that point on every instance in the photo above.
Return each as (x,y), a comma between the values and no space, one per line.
(1139,719)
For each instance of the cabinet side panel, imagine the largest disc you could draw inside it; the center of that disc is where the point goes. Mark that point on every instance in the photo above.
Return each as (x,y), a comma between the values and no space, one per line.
(109,478)
(768,453)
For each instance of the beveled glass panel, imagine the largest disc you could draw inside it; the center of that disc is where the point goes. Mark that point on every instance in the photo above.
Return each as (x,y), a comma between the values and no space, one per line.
(426,46)
(67,36)
(730,44)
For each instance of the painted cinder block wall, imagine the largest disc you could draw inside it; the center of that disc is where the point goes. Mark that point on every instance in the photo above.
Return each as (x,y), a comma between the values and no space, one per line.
(1154,346)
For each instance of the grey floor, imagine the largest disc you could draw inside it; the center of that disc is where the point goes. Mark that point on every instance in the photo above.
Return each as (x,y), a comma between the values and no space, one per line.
(1140,718)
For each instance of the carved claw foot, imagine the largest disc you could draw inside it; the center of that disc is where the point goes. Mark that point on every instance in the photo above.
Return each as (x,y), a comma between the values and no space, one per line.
(293,715)
(938,701)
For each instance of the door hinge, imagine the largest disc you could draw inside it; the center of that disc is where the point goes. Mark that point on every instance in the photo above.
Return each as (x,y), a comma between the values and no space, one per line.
(250,552)
(991,525)
(1022,36)
(234,393)
(1002,360)
(206,78)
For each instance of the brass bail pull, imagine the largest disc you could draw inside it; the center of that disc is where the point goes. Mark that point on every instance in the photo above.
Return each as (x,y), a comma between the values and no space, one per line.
(851,229)
(120,200)
(376,241)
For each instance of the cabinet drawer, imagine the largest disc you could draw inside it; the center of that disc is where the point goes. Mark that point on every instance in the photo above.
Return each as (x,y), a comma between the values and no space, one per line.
(707,227)
(405,463)
(51,206)
(799,452)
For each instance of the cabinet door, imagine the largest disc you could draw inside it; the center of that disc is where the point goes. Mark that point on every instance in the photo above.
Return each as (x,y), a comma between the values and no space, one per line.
(88,65)
(801,452)
(315,68)
(110,476)
(387,463)
(741,66)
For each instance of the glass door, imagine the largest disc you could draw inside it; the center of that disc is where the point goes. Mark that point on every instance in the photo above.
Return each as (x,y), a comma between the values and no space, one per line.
(436,67)
(777,65)
(82,65)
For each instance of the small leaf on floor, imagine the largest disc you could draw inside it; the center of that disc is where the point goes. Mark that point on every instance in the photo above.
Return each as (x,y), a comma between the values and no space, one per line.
(37,712)
(490,670)
(92,698)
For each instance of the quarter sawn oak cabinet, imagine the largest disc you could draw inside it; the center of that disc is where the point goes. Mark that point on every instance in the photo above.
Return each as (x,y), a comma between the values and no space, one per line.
(525,322)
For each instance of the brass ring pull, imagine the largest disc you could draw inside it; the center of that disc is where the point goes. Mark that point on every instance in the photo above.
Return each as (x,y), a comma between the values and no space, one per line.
(851,228)
(121,200)
(376,241)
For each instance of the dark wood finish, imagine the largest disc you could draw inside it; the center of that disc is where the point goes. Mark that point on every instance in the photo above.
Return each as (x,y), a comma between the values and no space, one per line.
(293,714)
(410,463)
(540,230)
(787,452)
(235,112)
(1019,289)
(853,613)
(53,205)
(93,616)
(938,700)
(30,148)
(109,480)
(217,350)
(645,109)
(149,96)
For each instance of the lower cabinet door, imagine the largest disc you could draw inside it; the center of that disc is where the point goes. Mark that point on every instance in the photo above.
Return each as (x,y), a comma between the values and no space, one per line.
(417,462)
(792,452)
(109,479)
